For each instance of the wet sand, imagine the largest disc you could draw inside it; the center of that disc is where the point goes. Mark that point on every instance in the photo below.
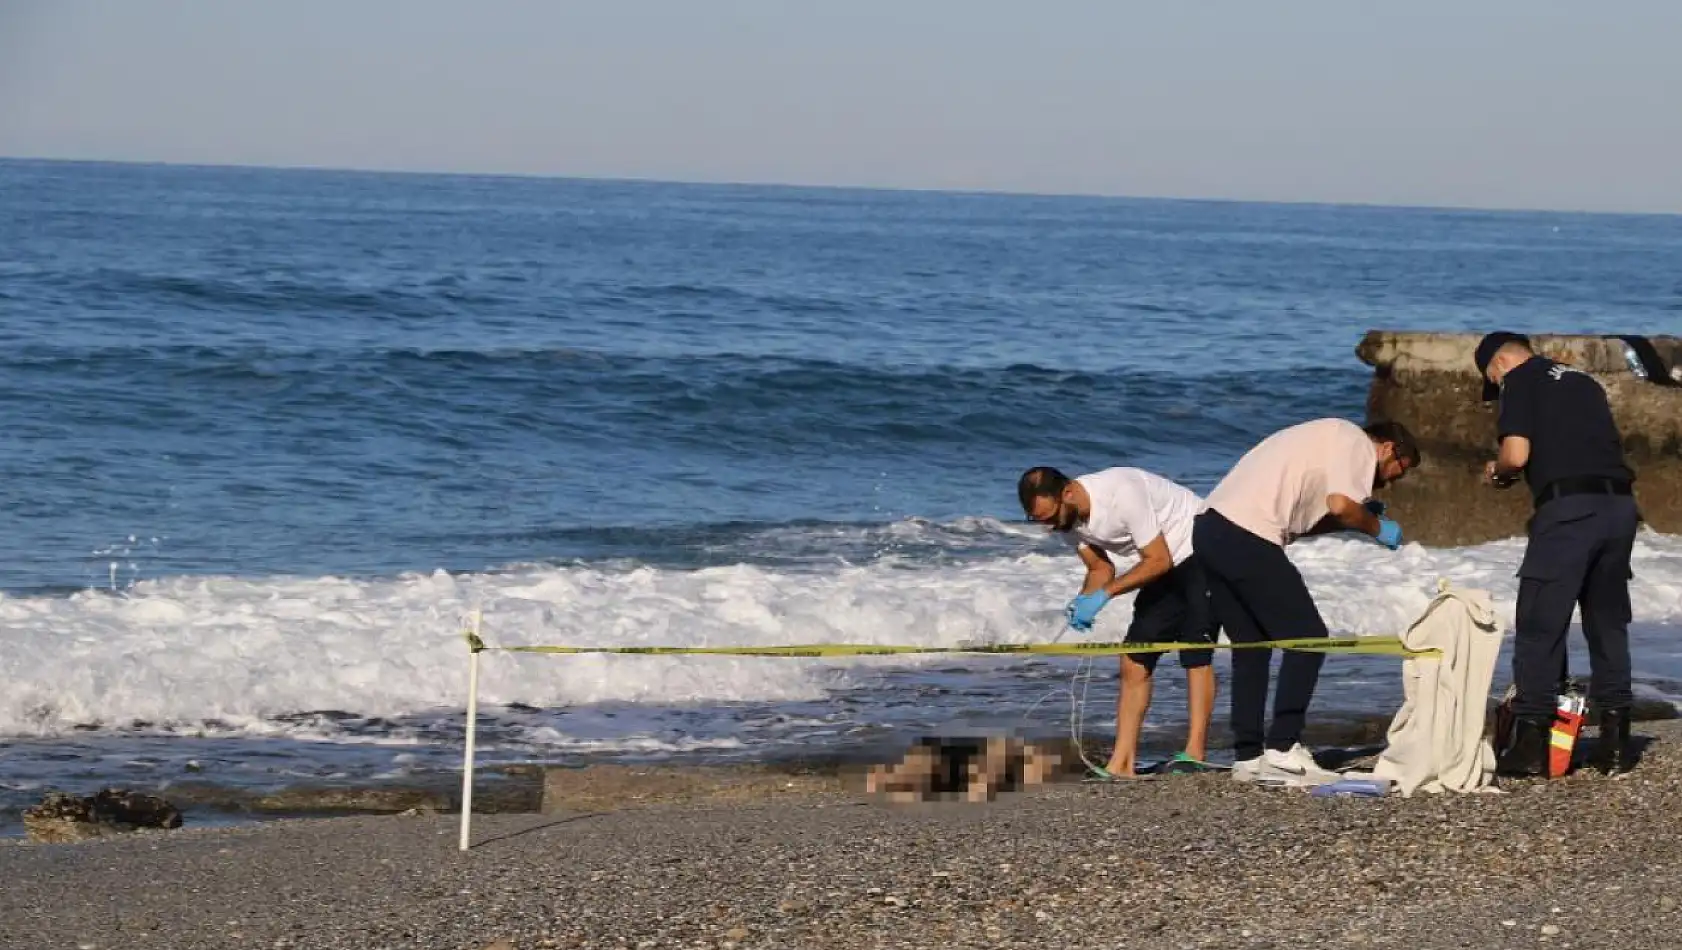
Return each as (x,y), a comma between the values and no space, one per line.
(1182,861)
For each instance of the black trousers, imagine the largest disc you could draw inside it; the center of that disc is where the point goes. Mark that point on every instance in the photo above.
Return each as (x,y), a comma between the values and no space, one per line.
(1173,607)
(1258,594)
(1578,555)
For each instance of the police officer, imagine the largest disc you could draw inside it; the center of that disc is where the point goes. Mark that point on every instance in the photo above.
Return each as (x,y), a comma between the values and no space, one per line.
(1555,429)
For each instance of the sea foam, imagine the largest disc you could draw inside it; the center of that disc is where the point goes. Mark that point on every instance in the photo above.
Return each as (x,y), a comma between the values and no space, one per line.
(239,654)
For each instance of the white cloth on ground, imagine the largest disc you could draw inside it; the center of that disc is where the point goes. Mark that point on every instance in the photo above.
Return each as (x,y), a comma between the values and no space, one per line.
(1436,740)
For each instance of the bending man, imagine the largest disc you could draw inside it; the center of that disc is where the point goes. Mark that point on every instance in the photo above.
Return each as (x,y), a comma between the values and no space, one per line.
(1311,478)
(1129,512)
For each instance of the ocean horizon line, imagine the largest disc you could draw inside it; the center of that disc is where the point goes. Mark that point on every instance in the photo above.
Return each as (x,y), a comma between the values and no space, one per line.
(813,186)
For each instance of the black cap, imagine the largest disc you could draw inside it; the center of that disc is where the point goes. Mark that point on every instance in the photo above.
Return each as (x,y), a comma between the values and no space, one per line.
(1486,352)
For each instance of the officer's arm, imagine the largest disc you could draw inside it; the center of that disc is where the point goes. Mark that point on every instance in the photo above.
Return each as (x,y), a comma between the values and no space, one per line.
(1099,570)
(1514,456)
(1351,514)
(1513,425)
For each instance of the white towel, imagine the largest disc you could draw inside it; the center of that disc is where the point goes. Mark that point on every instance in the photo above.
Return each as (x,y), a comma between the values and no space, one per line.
(1436,740)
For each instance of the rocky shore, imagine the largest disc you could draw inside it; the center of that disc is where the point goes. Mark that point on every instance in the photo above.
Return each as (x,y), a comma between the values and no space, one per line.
(1174,861)
(1427,382)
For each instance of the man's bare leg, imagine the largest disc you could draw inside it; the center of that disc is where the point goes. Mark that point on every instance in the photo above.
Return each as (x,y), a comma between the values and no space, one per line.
(1200,689)
(1135,698)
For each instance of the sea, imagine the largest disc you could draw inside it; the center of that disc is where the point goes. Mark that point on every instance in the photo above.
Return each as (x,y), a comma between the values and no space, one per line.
(270,439)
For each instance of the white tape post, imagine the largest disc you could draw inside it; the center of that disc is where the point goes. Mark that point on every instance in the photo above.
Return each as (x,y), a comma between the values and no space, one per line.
(472,727)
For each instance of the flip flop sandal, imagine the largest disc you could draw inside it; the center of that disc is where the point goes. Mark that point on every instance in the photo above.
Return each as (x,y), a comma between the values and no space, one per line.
(1183,764)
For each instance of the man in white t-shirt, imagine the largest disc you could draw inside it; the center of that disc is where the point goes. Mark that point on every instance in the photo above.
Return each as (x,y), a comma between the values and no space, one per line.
(1310,478)
(1135,515)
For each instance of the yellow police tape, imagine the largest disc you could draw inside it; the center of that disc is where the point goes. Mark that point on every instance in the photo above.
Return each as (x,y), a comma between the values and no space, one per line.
(1373,646)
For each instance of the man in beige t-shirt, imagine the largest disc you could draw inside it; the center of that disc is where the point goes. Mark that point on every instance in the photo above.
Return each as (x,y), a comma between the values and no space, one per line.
(1311,478)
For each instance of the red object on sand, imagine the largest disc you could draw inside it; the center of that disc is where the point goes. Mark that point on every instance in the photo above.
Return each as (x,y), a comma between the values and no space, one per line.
(1568,722)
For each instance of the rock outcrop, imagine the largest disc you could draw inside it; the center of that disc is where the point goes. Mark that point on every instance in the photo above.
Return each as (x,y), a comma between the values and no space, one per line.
(62,818)
(1427,382)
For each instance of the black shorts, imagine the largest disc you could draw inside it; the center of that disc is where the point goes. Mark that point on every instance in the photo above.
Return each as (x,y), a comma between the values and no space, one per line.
(1174,608)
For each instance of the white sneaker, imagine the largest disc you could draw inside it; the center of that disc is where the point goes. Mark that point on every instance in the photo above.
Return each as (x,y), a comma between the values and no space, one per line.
(1247,770)
(1295,765)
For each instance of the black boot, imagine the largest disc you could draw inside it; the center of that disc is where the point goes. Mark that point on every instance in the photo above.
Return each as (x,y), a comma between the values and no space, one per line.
(1528,755)
(1611,753)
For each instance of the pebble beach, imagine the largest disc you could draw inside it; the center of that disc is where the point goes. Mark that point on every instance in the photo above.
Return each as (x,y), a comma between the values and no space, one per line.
(1172,861)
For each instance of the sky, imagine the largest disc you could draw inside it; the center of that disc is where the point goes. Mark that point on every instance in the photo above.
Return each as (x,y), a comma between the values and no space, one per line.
(1553,104)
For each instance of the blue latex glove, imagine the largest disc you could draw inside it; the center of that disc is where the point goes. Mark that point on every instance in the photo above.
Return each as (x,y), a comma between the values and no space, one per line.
(1084,609)
(1378,508)
(1389,533)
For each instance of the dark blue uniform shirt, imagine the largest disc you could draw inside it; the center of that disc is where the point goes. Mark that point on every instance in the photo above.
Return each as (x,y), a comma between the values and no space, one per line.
(1565,415)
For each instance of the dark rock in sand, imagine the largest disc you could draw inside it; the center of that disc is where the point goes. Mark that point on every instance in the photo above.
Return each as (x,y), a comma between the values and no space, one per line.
(1427,382)
(133,808)
(61,817)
